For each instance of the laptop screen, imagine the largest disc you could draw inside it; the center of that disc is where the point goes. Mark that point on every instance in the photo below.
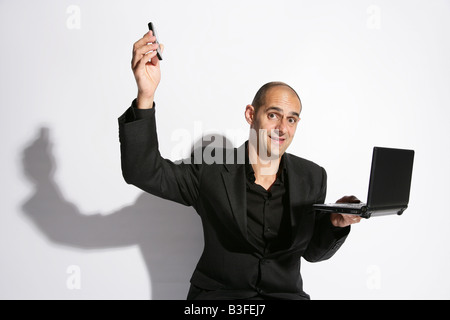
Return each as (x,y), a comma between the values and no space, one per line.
(390,178)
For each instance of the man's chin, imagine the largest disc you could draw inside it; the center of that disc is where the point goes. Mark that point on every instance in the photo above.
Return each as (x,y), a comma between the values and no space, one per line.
(275,153)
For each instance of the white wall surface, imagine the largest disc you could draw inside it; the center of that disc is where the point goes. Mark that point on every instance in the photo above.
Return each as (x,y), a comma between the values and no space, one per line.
(368,72)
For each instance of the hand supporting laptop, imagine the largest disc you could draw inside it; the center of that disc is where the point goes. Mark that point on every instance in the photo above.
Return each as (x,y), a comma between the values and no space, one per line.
(344,220)
(389,187)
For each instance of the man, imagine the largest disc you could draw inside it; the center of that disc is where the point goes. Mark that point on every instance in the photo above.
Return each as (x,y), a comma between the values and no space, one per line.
(256,210)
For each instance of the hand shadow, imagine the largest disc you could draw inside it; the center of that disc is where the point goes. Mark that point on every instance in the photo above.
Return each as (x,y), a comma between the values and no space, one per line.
(169,235)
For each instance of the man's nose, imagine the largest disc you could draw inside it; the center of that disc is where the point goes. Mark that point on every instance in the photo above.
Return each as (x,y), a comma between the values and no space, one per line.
(281,126)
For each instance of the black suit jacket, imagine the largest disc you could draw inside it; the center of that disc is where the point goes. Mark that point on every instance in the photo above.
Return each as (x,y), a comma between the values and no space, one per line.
(230,267)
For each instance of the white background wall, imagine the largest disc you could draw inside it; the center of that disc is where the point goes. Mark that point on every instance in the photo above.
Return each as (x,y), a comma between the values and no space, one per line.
(368,72)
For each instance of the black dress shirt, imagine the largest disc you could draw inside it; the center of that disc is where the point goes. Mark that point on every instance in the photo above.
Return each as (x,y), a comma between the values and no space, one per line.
(268,224)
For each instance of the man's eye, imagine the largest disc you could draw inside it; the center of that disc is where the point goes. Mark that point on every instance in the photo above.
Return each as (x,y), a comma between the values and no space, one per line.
(292,120)
(272,116)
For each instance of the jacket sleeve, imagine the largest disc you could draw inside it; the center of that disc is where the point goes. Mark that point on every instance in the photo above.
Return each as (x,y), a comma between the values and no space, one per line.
(144,167)
(326,239)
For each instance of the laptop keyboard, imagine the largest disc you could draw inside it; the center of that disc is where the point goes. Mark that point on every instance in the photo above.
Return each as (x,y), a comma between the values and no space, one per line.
(349,205)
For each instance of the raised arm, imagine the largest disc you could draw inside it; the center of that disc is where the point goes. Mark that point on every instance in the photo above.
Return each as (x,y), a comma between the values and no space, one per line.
(142,163)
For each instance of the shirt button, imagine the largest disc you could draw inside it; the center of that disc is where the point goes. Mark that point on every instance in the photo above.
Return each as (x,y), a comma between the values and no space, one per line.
(265,261)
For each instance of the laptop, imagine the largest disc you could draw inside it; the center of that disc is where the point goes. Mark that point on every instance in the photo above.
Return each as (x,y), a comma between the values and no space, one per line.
(389,186)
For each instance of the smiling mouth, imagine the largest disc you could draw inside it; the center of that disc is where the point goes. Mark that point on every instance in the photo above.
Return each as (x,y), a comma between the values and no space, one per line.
(278,140)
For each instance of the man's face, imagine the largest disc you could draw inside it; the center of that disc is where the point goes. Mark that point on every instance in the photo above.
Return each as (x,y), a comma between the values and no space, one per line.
(275,122)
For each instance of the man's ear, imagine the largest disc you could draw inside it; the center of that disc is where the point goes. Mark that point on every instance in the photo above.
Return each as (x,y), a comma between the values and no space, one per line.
(249,114)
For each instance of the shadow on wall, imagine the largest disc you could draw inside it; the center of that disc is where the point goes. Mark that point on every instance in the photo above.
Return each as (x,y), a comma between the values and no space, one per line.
(168,234)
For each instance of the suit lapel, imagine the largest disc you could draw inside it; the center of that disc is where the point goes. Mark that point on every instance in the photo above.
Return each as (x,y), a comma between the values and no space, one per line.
(297,193)
(235,186)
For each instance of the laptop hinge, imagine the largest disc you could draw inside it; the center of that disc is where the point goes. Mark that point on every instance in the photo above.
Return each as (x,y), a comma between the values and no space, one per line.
(385,211)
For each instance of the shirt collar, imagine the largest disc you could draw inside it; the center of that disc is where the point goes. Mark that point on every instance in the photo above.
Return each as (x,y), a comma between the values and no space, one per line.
(250,173)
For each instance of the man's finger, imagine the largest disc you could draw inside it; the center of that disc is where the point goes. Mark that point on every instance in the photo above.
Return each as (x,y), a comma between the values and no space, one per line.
(147,38)
(355,219)
(148,58)
(351,219)
(141,52)
(348,199)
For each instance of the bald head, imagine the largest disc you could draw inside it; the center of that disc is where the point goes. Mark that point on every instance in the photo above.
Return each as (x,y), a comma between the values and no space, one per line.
(260,97)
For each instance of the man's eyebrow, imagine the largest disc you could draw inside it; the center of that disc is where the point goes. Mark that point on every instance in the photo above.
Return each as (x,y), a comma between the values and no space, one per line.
(292,113)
